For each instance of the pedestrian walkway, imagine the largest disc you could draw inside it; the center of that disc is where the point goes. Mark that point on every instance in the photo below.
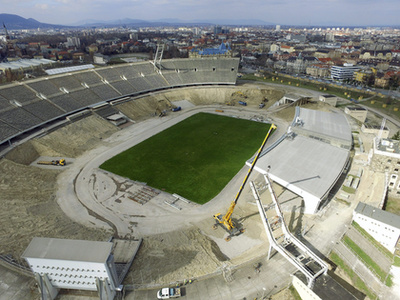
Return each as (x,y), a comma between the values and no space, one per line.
(358,267)
(381,259)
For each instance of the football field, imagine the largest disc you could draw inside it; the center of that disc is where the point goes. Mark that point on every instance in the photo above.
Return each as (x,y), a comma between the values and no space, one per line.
(195,158)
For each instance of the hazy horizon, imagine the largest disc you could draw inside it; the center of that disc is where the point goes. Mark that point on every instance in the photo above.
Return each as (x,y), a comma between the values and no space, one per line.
(284,12)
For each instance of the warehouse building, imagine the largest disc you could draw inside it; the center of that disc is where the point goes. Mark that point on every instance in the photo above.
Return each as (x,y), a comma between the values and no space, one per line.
(78,264)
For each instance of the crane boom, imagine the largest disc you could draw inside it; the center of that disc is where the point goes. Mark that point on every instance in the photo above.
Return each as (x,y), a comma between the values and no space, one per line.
(226,220)
(253,163)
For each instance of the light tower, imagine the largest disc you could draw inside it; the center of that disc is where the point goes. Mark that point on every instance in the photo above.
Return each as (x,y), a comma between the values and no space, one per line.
(7,35)
(158,57)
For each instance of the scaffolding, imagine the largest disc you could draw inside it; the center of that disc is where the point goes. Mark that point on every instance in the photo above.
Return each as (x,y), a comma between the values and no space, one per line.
(283,241)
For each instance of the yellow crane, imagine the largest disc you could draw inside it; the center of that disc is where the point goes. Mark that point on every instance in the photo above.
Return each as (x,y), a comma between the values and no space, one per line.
(226,220)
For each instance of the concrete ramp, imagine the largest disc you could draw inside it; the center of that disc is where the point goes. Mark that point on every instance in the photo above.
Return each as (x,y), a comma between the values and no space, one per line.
(280,239)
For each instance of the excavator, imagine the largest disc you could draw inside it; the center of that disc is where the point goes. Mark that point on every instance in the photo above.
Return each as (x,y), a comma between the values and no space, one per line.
(60,162)
(225,221)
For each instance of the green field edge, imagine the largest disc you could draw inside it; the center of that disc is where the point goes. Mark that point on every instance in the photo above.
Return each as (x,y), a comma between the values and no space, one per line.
(174,160)
(355,279)
(372,240)
(366,259)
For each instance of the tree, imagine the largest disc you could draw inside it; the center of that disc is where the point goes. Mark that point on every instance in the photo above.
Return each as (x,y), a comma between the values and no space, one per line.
(394,81)
(396,136)
(370,80)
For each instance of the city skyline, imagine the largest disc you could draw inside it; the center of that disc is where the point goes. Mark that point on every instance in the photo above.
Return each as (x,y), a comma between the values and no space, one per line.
(285,12)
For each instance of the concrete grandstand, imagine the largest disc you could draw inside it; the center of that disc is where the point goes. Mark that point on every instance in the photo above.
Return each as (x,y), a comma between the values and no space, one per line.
(33,104)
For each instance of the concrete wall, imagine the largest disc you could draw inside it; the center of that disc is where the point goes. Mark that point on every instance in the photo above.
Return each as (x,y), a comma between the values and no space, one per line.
(360,115)
(329,100)
(385,234)
(304,291)
(70,274)
(375,131)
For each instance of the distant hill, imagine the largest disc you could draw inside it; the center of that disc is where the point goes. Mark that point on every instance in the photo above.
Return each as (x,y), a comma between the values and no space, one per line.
(17,22)
(169,22)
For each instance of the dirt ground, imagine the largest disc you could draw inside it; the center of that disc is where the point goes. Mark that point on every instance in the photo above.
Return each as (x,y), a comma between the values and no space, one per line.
(29,193)
(29,209)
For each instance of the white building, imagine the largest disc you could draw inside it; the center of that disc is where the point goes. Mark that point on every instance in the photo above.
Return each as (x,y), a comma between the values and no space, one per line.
(383,226)
(375,130)
(310,158)
(73,42)
(357,112)
(343,72)
(387,147)
(72,264)
(329,99)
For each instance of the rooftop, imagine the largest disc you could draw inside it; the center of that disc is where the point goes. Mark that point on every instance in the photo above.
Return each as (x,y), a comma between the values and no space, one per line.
(389,145)
(306,163)
(25,63)
(378,214)
(333,125)
(64,249)
(355,108)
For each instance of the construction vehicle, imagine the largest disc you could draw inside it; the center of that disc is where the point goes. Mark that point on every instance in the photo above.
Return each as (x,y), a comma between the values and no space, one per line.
(60,162)
(162,106)
(239,93)
(168,293)
(225,221)
(262,104)
(161,113)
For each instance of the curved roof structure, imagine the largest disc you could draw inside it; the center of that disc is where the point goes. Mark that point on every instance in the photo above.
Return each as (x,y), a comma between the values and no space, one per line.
(305,164)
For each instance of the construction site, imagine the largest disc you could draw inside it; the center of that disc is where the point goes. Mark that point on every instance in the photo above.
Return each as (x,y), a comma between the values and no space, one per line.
(52,187)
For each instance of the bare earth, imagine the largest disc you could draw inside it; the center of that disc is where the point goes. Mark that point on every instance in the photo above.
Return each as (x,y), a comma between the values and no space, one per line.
(81,201)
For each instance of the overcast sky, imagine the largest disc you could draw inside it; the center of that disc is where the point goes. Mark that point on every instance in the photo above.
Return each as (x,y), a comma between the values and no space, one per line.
(285,12)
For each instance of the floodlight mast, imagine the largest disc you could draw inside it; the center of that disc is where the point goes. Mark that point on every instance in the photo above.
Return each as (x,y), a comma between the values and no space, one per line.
(226,220)
(158,57)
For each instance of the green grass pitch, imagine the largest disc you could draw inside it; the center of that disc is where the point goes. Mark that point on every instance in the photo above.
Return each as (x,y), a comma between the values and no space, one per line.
(195,158)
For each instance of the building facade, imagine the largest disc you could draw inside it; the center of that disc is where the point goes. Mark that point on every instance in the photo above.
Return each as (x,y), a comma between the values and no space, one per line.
(72,264)
(356,112)
(329,99)
(222,51)
(383,226)
(343,72)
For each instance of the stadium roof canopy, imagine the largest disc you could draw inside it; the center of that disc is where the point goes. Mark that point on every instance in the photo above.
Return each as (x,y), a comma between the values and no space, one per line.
(69,69)
(25,63)
(333,125)
(306,165)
